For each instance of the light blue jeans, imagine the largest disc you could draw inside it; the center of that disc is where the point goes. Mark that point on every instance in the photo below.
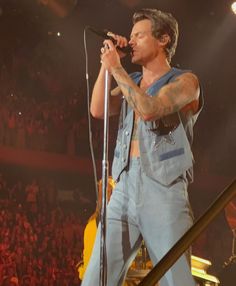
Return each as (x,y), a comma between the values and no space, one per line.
(142,209)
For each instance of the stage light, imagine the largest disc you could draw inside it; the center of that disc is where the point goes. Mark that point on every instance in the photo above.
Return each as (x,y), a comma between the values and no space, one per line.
(58,34)
(233,7)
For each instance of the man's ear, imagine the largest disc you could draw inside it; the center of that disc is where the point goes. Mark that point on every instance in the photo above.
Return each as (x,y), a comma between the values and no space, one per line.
(164,39)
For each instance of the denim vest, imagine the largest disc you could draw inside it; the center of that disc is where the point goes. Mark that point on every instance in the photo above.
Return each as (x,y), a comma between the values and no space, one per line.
(164,144)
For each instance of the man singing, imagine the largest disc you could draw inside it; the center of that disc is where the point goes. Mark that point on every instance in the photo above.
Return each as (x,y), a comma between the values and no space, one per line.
(153,161)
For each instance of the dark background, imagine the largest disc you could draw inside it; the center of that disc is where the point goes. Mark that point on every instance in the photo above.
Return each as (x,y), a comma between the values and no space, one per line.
(207,45)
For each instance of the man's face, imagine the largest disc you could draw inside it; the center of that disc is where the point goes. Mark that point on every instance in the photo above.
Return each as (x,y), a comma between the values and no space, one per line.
(145,46)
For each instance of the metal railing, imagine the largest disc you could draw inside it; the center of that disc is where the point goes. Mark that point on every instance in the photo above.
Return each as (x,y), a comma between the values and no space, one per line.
(187,239)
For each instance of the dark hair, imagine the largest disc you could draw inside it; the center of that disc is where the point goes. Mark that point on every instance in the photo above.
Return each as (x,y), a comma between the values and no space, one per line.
(162,23)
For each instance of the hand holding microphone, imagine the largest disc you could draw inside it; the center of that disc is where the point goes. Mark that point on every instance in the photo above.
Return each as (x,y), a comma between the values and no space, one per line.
(110,57)
(121,43)
(115,47)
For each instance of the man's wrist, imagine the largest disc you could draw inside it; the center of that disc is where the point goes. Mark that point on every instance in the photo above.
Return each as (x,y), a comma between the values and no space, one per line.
(116,69)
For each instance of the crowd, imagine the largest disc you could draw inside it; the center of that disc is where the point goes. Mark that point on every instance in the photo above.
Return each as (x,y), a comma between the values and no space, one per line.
(41,105)
(40,239)
(44,126)
(57,124)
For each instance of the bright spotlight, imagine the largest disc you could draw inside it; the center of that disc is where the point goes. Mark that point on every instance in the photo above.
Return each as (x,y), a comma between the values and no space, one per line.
(58,34)
(233,7)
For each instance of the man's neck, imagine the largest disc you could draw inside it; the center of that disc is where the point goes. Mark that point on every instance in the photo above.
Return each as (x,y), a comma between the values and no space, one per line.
(155,70)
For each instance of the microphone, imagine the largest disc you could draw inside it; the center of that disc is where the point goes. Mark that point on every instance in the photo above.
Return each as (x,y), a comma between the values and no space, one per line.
(105,35)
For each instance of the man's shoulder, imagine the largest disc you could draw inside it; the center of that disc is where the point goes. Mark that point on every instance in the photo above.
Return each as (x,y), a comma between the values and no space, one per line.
(179,71)
(184,74)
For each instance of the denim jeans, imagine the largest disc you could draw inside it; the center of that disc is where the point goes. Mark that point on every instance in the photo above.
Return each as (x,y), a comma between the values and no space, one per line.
(142,209)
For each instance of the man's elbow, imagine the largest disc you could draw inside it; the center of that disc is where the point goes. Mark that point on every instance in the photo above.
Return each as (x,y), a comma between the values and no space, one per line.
(96,113)
(149,117)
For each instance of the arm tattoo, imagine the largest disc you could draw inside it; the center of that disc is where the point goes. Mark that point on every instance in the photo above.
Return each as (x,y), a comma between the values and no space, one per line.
(130,97)
(127,88)
(172,93)
(169,99)
(169,104)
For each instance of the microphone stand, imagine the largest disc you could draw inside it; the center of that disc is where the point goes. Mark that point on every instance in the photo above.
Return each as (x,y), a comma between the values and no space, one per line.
(105,166)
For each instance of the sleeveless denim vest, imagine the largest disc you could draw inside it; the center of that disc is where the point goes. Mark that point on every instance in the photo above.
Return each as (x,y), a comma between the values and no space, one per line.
(165,152)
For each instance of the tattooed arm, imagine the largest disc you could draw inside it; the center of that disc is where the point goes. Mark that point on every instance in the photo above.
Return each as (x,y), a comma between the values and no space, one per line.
(170,98)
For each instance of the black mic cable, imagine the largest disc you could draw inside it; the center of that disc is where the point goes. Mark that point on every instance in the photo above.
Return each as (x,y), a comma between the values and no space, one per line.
(90,134)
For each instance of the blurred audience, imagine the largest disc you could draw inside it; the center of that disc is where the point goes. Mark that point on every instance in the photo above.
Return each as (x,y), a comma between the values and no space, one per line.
(40,104)
(42,108)
(51,127)
(40,240)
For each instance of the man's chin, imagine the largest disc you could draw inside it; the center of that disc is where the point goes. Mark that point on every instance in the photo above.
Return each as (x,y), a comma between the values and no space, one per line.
(134,60)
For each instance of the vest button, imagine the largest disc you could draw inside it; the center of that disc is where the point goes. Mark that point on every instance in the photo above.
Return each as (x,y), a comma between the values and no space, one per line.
(127,133)
(124,160)
(125,146)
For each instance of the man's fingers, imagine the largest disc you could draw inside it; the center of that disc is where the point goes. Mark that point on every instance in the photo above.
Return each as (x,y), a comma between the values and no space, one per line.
(120,41)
